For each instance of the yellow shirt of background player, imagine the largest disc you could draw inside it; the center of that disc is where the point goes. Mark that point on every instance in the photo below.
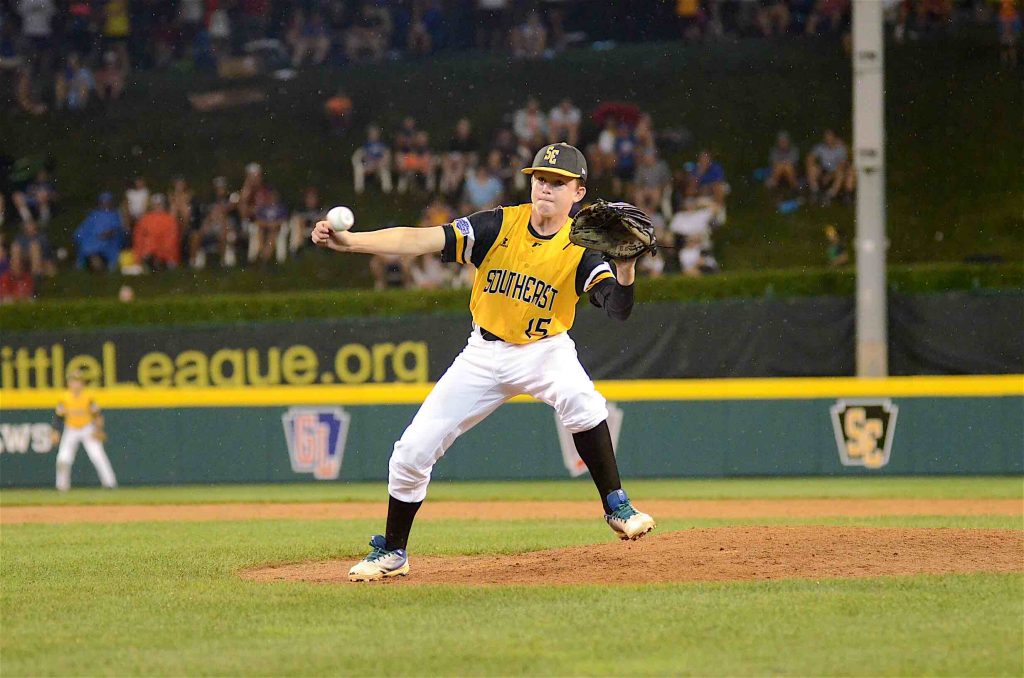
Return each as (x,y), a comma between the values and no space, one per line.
(78,411)
(527,286)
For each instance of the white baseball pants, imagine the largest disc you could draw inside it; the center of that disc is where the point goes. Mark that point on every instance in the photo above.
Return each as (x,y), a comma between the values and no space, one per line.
(97,455)
(483,376)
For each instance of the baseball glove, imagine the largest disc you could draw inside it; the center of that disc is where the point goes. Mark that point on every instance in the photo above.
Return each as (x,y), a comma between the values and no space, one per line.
(617,229)
(99,434)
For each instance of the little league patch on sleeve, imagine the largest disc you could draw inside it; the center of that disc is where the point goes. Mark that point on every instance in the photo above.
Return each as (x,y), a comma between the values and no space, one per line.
(465,228)
(316,439)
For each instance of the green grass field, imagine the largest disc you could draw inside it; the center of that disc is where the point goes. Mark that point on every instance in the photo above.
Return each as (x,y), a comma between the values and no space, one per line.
(165,599)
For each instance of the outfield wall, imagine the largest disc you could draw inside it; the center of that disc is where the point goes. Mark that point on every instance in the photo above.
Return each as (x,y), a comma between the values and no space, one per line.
(691,428)
(952,333)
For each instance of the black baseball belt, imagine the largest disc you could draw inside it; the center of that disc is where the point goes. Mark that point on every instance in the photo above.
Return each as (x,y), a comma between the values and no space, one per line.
(489,336)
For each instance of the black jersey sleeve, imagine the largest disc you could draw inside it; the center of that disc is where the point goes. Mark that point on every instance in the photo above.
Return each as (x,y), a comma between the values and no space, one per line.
(591,270)
(615,299)
(469,239)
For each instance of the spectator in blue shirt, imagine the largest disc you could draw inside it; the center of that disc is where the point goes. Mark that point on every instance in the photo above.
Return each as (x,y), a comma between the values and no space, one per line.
(73,85)
(707,178)
(482,191)
(372,159)
(784,158)
(374,150)
(270,218)
(100,237)
(33,247)
(38,201)
(829,172)
(625,159)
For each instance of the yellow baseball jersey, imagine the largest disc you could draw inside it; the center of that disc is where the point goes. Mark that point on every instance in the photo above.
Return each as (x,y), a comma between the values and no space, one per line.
(527,285)
(78,411)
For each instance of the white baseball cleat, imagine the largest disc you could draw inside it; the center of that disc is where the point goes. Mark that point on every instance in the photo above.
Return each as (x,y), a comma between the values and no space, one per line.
(626,521)
(380,563)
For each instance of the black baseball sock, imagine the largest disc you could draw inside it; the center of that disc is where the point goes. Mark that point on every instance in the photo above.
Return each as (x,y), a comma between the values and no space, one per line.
(595,448)
(400,517)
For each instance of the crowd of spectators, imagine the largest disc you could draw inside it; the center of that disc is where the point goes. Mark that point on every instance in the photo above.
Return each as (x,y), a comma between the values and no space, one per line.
(148,230)
(909,19)
(475,171)
(65,54)
(767,18)
(26,257)
(465,175)
(828,172)
(688,203)
(186,227)
(68,53)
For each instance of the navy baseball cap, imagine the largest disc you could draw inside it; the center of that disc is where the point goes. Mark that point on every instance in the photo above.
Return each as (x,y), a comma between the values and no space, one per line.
(560,158)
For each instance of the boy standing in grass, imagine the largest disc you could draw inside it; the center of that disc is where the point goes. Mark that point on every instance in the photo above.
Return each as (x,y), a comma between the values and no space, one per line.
(79,416)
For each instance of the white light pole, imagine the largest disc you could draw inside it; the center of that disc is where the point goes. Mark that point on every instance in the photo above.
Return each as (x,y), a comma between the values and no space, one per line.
(869,158)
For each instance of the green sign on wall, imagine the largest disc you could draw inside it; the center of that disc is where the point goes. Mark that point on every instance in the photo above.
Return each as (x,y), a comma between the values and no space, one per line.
(686,429)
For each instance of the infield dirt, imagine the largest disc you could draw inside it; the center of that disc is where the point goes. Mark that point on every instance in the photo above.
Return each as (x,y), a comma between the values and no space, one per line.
(698,509)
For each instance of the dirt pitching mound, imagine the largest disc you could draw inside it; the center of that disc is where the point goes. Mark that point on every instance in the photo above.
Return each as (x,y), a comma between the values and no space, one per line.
(719,554)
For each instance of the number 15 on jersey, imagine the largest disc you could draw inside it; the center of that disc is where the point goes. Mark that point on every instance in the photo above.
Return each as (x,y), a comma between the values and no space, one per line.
(538,327)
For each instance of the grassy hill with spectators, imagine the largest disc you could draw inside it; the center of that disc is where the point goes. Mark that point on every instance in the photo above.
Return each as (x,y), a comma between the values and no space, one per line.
(954,143)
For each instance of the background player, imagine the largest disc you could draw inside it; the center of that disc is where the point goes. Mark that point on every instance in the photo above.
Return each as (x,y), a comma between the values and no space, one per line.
(82,422)
(529,279)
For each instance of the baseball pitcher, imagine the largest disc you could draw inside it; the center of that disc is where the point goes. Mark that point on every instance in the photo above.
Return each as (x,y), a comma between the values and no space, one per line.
(530,273)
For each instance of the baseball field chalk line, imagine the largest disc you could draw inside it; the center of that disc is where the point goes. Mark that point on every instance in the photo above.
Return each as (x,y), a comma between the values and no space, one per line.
(134,397)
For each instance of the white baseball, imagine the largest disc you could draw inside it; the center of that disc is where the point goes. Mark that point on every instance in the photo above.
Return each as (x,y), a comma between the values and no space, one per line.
(341,218)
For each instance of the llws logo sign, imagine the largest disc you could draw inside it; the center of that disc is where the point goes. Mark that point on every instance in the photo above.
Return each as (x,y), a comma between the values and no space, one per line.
(864,431)
(20,438)
(316,439)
